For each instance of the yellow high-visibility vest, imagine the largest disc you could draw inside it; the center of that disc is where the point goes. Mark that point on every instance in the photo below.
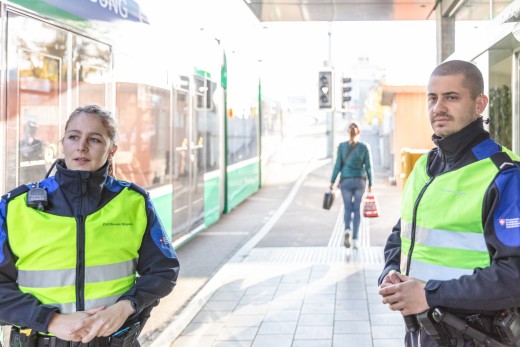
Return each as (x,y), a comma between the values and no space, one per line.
(449,240)
(67,261)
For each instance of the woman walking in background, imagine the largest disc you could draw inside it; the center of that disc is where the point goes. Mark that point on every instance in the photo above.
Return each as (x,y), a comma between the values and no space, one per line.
(354,164)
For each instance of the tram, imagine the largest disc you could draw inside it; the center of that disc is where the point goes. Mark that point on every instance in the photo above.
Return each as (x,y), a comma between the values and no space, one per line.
(188,116)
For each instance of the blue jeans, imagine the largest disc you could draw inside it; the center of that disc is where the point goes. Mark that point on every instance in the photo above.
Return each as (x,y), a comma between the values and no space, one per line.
(352,190)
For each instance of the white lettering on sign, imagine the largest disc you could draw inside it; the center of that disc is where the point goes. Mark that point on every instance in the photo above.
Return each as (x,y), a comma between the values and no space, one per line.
(119,7)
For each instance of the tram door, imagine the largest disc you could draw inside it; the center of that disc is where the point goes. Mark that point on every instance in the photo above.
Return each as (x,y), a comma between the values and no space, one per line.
(198,148)
(188,161)
(181,220)
(49,71)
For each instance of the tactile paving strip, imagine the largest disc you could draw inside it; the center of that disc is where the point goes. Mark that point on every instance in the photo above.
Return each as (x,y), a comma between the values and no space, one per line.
(315,255)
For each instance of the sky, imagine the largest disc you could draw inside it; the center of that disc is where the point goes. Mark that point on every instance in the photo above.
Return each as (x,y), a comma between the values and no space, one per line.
(291,53)
(405,50)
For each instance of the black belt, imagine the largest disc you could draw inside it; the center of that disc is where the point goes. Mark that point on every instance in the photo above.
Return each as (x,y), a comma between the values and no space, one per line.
(53,341)
(18,339)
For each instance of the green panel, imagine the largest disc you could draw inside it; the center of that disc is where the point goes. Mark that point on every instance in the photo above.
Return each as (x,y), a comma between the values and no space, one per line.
(202,73)
(223,73)
(241,184)
(163,206)
(211,200)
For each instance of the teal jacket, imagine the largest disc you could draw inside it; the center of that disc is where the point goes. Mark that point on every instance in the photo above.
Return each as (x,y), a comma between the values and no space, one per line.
(359,164)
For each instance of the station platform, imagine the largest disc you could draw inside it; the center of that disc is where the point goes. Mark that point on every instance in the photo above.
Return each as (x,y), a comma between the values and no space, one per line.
(301,289)
(294,296)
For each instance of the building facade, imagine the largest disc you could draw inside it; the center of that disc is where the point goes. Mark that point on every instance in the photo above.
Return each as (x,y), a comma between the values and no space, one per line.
(488,34)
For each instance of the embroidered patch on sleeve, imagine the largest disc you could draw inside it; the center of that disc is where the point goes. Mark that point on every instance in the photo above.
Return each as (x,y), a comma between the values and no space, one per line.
(507,213)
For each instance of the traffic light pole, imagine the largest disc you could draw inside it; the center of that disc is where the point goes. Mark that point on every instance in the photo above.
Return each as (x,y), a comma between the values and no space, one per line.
(330,114)
(326,97)
(330,134)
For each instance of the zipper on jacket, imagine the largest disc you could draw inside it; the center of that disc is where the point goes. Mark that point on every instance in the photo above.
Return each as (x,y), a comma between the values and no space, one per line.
(414,224)
(80,251)
(83,187)
(80,264)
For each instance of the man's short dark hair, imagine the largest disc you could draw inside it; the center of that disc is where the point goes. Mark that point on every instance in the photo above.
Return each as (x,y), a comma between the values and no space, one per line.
(473,79)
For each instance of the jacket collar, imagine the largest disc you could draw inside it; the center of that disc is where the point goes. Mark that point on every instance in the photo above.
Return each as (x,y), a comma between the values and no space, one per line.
(453,147)
(79,182)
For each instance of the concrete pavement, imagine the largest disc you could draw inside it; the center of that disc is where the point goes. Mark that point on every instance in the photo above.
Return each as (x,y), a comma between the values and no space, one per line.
(277,294)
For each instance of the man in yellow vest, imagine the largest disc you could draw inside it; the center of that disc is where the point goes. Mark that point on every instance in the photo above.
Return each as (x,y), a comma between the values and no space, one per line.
(453,259)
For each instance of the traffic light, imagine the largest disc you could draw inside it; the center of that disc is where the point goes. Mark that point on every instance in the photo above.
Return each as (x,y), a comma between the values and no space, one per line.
(346,88)
(325,89)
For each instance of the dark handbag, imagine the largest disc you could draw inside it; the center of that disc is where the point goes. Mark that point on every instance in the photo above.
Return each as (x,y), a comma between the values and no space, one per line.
(328,199)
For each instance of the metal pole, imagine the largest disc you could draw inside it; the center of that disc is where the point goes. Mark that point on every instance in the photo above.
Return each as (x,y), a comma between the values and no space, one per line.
(330,114)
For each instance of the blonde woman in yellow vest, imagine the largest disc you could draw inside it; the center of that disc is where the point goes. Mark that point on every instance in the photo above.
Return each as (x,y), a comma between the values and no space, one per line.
(83,256)
(457,244)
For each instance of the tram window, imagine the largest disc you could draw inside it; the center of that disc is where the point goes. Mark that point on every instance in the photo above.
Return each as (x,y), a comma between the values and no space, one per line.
(38,141)
(203,92)
(181,158)
(91,66)
(144,134)
(212,133)
(242,123)
(242,137)
(35,80)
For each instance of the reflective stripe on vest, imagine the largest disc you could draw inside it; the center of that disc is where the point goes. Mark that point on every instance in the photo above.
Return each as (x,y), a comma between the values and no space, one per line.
(47,247)
(449,240)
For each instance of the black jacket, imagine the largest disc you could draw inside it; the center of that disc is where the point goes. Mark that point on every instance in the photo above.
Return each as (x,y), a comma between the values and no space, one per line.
(80,193)
(496,286)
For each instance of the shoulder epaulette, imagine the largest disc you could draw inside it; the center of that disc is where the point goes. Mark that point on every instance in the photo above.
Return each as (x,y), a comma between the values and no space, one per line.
(502,160)
(138,189)
(16,192)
